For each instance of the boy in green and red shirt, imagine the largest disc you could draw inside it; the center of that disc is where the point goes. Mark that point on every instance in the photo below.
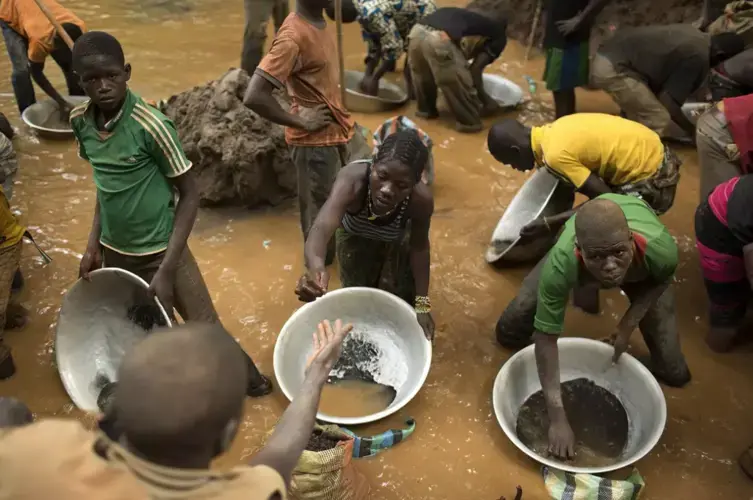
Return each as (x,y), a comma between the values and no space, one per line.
(138,165)
(613,241)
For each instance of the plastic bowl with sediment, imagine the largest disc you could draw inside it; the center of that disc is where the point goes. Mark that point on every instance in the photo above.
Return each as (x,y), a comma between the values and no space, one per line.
(386,320)
(630,381)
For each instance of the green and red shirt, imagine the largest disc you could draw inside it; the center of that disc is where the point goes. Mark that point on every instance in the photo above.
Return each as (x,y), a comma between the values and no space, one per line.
(133,160)
(654,246)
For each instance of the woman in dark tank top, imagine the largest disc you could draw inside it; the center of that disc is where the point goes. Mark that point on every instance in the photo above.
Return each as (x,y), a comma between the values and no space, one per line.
(381,212)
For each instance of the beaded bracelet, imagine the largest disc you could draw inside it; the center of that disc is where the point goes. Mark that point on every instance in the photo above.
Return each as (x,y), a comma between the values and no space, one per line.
(422,305)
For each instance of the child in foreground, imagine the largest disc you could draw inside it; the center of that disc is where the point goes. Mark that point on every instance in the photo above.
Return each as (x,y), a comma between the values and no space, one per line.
(139,165)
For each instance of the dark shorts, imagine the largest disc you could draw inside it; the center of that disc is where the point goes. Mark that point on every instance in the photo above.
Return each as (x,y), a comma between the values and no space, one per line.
(376,264)
(567,67)
(192,300)
(721,258)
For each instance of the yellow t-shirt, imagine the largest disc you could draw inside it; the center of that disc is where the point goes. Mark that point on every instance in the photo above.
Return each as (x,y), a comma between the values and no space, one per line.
(11,232)
(55,459)
(618,150)
(28,20)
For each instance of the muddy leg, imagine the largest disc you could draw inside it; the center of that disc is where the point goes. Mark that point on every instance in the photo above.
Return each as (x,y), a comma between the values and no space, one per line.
(9,260)
(317,169)
(515,325)
(659,329)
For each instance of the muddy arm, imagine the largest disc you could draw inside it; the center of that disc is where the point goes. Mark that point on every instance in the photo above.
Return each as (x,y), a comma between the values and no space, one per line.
(260,100)
(185,216)
(289,438)
(480,62)
(675,112)
(561,440)
(328,219)
(420,253)
(647,296)
(592,10)
(37,72)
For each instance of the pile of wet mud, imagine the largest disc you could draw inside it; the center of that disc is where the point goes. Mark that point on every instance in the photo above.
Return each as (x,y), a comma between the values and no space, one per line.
(240,159)
(598,420)
(616,14)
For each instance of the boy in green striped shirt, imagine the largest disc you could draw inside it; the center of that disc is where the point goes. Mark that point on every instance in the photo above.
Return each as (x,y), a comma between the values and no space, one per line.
(138,165)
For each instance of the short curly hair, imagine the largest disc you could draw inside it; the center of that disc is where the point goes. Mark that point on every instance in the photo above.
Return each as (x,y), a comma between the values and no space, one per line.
(97,43)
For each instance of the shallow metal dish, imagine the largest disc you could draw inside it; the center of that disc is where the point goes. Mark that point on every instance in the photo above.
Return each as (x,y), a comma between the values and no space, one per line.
(629,380)
(542,195)
(368,309)
(39,115)
(505,92)
(694,110)
(93,331)
(391,96)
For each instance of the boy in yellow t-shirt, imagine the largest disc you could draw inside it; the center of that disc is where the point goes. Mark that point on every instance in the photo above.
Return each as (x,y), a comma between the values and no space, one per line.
(596,154)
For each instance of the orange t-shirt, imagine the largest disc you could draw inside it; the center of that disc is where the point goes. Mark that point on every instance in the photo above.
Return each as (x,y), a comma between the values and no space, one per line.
(28,20)
(303,58)
(55,458)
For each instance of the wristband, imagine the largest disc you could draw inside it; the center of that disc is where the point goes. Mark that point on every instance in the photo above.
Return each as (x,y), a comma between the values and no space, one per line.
(422,305)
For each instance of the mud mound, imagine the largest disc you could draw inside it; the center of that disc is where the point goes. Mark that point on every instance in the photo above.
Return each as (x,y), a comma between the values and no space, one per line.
(239,158)
(617,14)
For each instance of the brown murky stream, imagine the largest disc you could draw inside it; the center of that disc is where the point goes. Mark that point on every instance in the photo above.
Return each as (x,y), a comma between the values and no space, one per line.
(458,450)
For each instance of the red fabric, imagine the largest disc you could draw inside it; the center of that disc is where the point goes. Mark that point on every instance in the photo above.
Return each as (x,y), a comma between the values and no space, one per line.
(739,114)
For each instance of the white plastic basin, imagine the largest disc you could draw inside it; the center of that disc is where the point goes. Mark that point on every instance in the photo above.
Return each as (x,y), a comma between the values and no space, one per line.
(369,309)
(629,380)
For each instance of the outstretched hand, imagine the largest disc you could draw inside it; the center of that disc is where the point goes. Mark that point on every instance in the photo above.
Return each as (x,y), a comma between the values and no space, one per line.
(328,342)
(570,26)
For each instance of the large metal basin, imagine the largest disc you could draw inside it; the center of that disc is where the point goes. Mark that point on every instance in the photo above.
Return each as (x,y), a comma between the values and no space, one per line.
(94,330)
(42,117)
(370,310)
(505,92)
(542,195)
(390,96)
(629,380)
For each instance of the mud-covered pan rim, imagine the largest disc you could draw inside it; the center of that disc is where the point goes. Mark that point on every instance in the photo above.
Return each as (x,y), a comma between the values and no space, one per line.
(492,256)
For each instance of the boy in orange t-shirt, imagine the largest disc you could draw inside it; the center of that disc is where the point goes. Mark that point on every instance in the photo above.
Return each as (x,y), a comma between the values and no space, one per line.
(29,38)
(321,133)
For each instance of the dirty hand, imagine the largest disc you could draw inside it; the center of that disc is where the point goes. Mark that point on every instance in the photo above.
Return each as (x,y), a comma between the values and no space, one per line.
(561,440)
(312,285)
(427,325)
(535,229)
(91,260)
(316,118)
(569,26)
(328,342)
(65,111)
(620,341)
(369,85)
(162,286)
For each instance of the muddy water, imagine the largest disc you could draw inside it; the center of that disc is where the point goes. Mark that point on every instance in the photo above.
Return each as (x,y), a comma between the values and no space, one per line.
(597,418)
(458,449)
(355,398)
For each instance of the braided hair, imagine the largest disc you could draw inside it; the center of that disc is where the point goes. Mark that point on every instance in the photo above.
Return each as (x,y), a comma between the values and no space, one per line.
(97,43)
(407,148)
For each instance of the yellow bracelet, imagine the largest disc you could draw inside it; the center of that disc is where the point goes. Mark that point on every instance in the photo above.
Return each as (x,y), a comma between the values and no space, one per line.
(422,305)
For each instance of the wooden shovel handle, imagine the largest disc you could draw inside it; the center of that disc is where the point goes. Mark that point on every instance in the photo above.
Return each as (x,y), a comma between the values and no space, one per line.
(61,32)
